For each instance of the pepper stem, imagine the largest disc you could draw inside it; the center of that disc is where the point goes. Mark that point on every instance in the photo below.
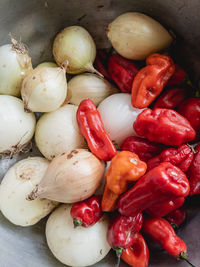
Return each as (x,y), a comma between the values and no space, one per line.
(77,222)
(183,256)
(118,251)
(175,226)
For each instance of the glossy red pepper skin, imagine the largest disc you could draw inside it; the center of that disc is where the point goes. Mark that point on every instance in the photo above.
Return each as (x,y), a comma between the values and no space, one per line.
(121,230)
(177,217)
(101,63)
(172,98)
(138,254)
(160,230)
(190,109)
(180,157)
(122,71)
(193,173)
(150,80)
(164,126)
(162,209)
(87,212)
(91,127)
(144,148)
(178,77)
(163,183)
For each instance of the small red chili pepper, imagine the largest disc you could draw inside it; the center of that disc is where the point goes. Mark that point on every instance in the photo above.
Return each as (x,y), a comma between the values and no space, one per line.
(91,127)
(176,217)
(172,98)
(138,254)
(86,213)
(150,80)
(178,77)
(121,230)
(144,148)
(122,71)
(180,157)
(163,233)
(190,109)
(163,183)
(164,208)
(164,126)
(101,63)
(193,173)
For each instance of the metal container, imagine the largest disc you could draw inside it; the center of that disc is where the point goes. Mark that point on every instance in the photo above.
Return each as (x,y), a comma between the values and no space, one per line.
(36,22)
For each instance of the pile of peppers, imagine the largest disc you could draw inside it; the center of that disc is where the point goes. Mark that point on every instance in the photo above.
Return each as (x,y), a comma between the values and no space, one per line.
(151,178)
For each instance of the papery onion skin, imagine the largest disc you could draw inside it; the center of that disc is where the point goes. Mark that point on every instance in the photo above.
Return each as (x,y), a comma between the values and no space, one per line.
(118,116)
(71,177)
(15,63)
(74,48)
(136,36)
(44,89)
(57,132)
(47,64)
(90,86)
(17,127)
(19,181)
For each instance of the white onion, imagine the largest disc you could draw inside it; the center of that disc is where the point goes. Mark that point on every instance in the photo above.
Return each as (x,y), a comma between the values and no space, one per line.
(76,246)
(14,64)
(57,132)
(75,49)
(19,181)
(47,64)
(70,177)
(16,127)
(89,86)
(44,89)
(135,35)
(118,116)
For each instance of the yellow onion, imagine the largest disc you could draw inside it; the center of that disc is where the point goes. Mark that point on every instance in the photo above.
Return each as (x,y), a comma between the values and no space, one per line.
(135,35)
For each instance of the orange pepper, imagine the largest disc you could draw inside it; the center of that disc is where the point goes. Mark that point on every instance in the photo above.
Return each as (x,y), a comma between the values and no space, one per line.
(124,167)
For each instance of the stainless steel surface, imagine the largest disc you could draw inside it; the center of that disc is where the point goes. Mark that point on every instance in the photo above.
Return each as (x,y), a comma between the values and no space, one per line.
(36,22)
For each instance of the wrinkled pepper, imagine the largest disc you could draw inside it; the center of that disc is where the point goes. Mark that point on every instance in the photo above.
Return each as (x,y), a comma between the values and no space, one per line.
(178,77)
(121,230)
(180,157)
(176,217)
(161,184)
(87,212)
(160,230)
(164,208)
(91,127)
(164,126)
(101,63)
(150,80)
(144,148)
(193,173)
(124,167)
(172,98)
(190,109)
(138,254)
(122,71)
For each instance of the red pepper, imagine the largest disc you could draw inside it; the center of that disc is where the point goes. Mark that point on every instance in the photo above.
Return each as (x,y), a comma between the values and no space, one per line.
(142,147)
(164,126)
(164,208)
(171,98)
(163,183)
(101,63)
(91,127)
(163,233)
(180,157)
(150,80)
(176,217)
(87,212)
(190,109)
(121,230)
(138,254)
(193,173)
(122,71)
(178,77)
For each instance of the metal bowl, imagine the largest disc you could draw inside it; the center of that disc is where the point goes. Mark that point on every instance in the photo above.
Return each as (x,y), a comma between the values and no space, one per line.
(36,22)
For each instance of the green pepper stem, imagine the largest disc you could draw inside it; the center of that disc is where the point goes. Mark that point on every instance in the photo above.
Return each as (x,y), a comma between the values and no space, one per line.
(77,222)
(118,251)
(183,256)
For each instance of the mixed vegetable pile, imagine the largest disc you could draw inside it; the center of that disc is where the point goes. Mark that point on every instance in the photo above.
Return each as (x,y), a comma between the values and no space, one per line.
(120,143)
